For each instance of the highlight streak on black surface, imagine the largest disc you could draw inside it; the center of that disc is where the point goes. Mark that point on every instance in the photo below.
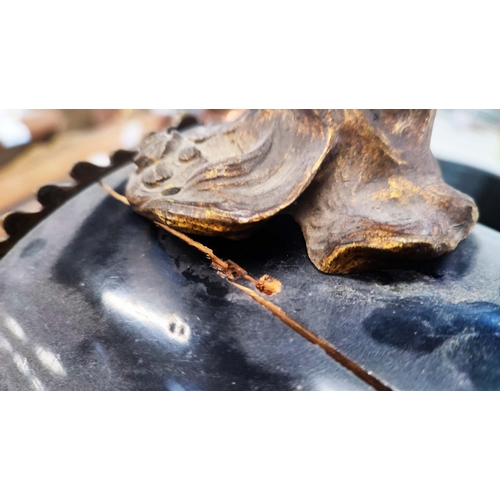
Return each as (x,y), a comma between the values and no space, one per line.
(432,327)
(274,309)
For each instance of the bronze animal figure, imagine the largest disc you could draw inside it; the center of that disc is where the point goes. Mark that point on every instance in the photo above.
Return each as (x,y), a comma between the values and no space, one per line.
(363,184)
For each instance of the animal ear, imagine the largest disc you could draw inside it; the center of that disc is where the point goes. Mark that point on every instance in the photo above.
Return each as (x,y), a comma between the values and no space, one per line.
(380,198)
(226,178)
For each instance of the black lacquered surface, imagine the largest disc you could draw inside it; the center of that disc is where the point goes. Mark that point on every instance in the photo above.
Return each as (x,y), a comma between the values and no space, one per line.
(96,297)
(483,186)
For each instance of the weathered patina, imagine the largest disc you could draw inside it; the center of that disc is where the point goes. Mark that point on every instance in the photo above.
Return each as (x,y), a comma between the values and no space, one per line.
(363,184)
(224,179)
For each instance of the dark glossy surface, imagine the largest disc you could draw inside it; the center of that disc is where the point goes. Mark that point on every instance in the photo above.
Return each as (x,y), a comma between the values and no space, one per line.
(91,299)
(96,297)
(483,186)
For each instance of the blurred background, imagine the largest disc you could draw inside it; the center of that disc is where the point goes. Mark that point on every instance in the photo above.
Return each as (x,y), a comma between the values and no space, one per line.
(39,147)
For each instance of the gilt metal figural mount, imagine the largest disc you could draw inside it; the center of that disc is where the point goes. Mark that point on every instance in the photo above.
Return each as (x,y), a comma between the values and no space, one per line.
(363,184)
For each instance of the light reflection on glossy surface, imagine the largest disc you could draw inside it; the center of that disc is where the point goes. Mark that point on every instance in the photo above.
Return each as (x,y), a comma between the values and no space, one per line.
(22,365)
(141,313)
(325,383)
(109,296)
(6,346)
(50,361)
(172,385)
(14,327)
(168,324)
(46,357)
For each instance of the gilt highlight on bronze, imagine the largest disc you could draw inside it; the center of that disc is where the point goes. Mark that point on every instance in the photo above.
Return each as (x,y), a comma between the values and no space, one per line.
(363,184)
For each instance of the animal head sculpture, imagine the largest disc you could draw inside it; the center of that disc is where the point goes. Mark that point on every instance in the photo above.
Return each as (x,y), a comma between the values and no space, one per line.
(362,184)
